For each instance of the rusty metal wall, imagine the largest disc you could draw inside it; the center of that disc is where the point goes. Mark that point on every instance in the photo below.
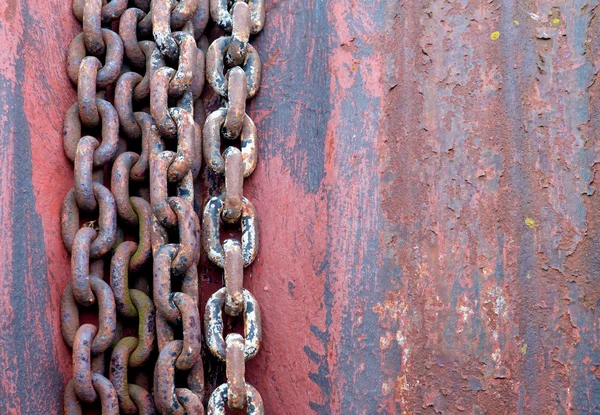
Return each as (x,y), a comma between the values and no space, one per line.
(429,223)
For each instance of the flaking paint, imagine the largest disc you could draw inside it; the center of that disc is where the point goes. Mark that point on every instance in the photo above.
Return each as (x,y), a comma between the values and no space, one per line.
(426,202)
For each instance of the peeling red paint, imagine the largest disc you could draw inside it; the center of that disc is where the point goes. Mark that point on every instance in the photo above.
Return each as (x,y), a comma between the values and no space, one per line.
(437,246)
(34,95)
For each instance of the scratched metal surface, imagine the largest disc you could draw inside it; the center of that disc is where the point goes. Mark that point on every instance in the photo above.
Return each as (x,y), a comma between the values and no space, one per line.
(430,226)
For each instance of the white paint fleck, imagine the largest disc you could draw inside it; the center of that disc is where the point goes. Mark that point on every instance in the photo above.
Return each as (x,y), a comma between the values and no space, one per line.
(466,312)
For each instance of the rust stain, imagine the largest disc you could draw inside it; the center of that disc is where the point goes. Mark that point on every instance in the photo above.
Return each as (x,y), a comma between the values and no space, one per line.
(495,132)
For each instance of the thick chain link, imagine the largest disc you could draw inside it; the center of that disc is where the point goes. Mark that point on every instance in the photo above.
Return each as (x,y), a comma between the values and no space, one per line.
(149,55)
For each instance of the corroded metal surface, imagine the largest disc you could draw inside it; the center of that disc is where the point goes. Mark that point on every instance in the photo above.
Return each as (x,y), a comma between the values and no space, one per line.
(427,171)
(436,223)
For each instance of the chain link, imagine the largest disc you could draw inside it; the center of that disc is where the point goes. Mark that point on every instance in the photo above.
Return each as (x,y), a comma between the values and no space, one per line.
(141,217)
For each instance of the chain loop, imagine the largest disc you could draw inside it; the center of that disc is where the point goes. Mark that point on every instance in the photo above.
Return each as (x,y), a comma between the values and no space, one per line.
(234,184)
(120,186)
(236,369)
(82,368)
(234,277)
(236,95)
(107,150)
(146,333)
(240,34)
(128,27)
(105,389)
(190,321)
(109,12)
(159,164)
(213,325)
(139,171)
(153,61)
(215,66)
(190,401)
(143,211)
(211,236)
(142,399)
(109,72)
(161,28)
(119,278)
(159,104)
(124,104)
(92,30)
(163,298)
(219,399)
(106,315)
(220,13)
(184,159)
(164,379)
(118,373)
(212,142)
(83,167)
(188,56)
(107,221)
(86,91)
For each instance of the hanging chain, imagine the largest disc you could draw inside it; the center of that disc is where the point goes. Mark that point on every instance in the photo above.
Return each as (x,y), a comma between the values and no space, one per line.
(89,244)
(230,123)
(177,67)
(149,137)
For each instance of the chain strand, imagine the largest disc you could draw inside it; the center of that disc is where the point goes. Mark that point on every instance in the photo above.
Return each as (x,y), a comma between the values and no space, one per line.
(91,243)
(233,71)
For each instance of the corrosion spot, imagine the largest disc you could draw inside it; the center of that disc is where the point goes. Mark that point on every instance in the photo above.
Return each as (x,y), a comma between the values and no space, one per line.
(529,222)
(495,35)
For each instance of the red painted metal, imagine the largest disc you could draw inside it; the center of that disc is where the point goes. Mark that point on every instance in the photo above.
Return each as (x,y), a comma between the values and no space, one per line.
(429,225)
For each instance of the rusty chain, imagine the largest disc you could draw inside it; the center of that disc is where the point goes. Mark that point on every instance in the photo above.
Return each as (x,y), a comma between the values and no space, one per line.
(233,72)
(150,55)
(89,244)
(177,66)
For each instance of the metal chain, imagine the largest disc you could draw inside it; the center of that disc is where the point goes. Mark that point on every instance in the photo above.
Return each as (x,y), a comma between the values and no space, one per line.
(177,76)
(147,218)
(230,123)
(169,67)
(91,243)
